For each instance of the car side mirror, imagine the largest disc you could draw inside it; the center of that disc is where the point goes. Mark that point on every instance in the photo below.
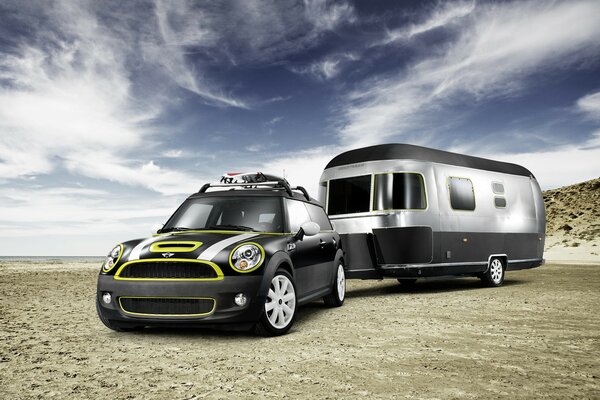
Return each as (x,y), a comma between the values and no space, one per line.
(156,228)
(308,229)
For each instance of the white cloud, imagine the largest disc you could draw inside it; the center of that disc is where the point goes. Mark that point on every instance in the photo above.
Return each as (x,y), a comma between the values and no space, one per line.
(326,68)
(69,102)
(498,47)
(326,15)
(70,211)
(444,15)
(173,153)
(590,105)
(273,121)
(560,167)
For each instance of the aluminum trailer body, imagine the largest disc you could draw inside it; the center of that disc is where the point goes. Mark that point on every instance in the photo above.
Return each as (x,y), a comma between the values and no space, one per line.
(407,212)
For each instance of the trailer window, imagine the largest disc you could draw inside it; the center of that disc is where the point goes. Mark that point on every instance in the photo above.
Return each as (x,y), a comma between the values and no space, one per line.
(498,187)
(462,196)
(500,202)
(349,195)
(399,191)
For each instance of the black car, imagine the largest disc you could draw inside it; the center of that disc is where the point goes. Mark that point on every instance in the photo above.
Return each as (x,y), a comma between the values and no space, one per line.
(244,256)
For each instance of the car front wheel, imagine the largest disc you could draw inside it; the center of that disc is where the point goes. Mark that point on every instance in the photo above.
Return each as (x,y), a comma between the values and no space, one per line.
(280,307)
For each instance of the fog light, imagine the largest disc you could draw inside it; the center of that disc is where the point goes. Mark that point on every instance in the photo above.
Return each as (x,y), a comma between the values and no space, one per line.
(240,299)
(106,298)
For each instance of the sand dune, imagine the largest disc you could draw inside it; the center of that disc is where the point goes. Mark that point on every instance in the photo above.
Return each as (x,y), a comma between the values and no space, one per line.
(573,222)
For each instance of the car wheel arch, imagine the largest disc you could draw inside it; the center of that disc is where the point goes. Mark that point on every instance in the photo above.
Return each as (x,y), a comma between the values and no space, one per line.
(278,260)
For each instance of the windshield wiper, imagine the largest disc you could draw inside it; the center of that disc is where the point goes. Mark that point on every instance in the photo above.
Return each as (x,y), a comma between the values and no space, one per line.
(174,229)
(233,227)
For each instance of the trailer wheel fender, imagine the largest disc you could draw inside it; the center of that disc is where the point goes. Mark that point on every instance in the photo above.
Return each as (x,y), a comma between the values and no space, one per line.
(494,274)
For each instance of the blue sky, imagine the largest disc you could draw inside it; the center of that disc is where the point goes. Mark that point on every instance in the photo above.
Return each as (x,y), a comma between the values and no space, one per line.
(112,112)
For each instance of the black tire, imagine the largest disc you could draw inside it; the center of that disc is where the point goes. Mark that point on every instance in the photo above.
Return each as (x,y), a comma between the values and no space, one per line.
(338,292)
(114,325)
(494,276)
(408,282)
(267,324)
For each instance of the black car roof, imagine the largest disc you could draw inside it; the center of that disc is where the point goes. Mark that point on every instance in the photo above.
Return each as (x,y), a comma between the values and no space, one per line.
(393,151)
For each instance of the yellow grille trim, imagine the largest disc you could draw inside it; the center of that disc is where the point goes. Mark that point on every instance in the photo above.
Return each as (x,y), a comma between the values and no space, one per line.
(167,315)
(214,266)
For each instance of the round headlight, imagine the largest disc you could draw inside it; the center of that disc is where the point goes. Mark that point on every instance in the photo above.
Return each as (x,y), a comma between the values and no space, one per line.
(247,257)
(112,258)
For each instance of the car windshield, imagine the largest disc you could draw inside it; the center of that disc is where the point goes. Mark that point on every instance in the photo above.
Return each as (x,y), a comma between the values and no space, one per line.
(261,214)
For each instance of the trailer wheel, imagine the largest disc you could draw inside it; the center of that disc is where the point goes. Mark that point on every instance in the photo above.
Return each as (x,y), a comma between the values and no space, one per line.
(494,276)
(407,282)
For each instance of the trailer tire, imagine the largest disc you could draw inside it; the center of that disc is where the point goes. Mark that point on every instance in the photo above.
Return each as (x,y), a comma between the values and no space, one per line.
(494,276)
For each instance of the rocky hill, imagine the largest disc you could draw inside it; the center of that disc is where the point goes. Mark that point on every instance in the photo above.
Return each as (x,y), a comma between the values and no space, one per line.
(573,215)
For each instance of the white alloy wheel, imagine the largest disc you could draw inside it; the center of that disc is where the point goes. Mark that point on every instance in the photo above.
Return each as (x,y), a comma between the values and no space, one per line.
(341,282)
(496,271)
(281,302)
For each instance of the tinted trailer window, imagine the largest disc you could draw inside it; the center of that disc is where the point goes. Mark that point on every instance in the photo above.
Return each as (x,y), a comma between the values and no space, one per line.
(399,191)
(349,195)
(462,195)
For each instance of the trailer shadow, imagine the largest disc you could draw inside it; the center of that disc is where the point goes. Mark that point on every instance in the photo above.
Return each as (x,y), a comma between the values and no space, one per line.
(425,287)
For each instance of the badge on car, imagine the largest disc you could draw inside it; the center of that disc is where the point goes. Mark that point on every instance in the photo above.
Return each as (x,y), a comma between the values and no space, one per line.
(167,255)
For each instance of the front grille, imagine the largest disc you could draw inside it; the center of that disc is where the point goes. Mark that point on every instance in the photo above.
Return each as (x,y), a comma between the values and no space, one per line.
(167,306)
(168,270)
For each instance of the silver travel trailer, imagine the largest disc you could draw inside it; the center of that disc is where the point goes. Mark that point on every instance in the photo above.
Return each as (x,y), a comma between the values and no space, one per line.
(408,212)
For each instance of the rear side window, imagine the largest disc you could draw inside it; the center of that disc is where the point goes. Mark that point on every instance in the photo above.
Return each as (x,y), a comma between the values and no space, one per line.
(462,196)
(317,214)
(297,214)
(399,191)
(349,195)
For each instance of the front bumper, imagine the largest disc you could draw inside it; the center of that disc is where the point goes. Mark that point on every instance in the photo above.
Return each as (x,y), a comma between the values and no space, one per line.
(223,292)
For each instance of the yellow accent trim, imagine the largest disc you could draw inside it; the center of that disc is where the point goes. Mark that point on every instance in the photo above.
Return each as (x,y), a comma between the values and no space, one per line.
(116,262)
(262,257)
(472,189)
(167,315)
(423,188)
(173,246)
(218,270)
(221,232)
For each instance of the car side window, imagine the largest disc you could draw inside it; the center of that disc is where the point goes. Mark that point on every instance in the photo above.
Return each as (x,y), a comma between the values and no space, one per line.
(297,214)
(317,214)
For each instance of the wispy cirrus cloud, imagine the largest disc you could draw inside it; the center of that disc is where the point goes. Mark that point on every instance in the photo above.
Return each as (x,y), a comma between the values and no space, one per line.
(442,16)
(496,50)
(590,105)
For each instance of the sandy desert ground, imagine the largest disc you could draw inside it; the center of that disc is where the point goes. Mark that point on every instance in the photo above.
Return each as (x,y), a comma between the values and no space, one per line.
(538,336)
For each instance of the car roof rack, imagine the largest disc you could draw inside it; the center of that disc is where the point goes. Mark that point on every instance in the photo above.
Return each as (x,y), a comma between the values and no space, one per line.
(280,184)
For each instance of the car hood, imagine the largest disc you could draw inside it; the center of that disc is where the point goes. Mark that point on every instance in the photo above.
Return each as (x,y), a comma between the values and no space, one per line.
(204,245)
